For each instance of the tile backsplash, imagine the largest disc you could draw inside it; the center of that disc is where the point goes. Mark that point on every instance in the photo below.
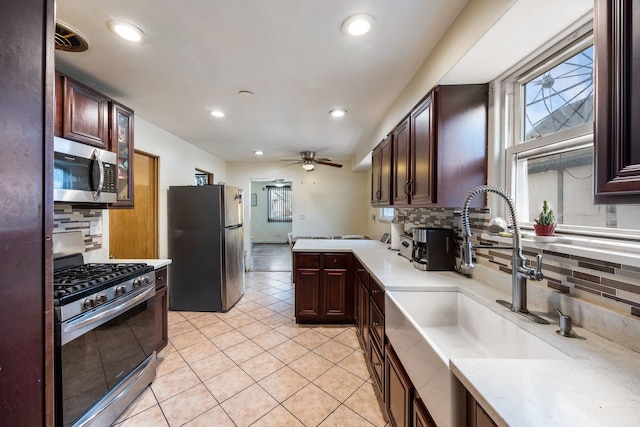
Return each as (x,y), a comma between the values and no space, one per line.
(611,285)
(89,221)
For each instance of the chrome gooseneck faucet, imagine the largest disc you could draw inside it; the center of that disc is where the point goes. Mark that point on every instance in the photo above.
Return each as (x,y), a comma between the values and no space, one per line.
(520,271)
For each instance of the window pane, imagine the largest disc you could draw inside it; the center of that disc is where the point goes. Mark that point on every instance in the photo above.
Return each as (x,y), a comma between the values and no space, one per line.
(564,179)
(560,98)
(279,204)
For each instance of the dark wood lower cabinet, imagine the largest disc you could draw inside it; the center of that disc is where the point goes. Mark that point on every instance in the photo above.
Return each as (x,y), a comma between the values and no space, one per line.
(160,308)
(421,417)
(397,391)
(324,287)
(476,416)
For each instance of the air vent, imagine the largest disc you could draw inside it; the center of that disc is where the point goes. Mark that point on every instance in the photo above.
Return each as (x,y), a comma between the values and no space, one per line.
(69,40)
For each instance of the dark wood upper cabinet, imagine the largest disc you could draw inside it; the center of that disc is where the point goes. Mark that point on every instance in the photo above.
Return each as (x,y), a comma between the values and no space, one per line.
(440,149)
(81,112)
(402,171)
(381,159)
(617,101)
(121,143)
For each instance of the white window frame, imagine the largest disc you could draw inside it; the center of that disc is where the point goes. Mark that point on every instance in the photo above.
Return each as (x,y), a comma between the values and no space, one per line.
(512,115)
(386,218)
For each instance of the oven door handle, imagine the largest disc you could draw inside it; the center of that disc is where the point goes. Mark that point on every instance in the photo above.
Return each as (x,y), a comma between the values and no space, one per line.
(104,315)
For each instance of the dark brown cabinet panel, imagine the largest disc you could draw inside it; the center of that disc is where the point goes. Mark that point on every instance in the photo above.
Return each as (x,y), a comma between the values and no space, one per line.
(440,150)
(324,288)
(397,391)
(422,155)
(81,112)
(617,101)
(476,415)
(121,143)
(160,309)
(381,160)
(421,416)
(376,363)
(362,306)
(402,168)
(307,293)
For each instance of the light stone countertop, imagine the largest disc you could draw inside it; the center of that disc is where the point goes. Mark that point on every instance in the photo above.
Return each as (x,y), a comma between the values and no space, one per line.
(598,385)
(155,263)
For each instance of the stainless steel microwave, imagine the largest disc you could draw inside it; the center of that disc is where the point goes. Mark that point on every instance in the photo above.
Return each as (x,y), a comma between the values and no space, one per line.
(83,174)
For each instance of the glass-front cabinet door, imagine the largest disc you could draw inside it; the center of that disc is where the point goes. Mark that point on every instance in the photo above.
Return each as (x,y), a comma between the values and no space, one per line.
(122,145)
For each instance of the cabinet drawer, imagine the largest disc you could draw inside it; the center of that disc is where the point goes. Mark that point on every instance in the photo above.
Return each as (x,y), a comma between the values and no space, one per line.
(376,361)
(335,260)
(161,278)
(303,260)
(377,294)
(376,326)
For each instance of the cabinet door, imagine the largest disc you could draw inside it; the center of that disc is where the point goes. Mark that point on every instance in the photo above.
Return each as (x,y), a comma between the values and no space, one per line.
(376,325)
(421,416)
(381,174)
(423,165)
(81,112)
(307,291)
(335,293)
(121,143)
(402,164)
(397,391)
(160,309)
(617,101)
(363,312)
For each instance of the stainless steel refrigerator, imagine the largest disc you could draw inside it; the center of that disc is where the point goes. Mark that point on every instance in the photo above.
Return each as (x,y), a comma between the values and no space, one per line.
(206,246)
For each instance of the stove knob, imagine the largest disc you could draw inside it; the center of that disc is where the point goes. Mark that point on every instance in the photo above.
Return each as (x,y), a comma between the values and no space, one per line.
(121,290)
(146,280)
(136,283)
(101,299)
(89,303)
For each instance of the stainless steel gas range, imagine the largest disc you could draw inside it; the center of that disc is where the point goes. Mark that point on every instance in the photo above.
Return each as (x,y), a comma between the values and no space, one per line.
(104,339)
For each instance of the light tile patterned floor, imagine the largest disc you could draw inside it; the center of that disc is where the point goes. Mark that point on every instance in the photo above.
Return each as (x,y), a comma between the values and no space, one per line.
(254,366)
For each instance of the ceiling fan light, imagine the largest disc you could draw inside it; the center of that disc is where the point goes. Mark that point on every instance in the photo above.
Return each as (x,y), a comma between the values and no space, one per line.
(338,112)
(308,166)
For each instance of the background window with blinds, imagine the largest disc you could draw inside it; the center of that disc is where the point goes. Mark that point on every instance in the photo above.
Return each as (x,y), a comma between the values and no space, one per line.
(279,204)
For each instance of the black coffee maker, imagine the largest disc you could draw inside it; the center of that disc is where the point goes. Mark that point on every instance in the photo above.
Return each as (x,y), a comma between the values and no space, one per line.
(433,249)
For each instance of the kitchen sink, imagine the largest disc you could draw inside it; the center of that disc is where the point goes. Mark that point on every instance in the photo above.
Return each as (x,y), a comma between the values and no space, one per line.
(427,329)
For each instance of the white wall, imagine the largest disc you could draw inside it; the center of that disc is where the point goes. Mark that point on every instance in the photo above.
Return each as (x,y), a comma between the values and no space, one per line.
(263,231)
(177,163)
(325,201)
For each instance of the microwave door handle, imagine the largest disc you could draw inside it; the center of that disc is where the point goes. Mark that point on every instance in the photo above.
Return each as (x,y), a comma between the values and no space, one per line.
(96,156)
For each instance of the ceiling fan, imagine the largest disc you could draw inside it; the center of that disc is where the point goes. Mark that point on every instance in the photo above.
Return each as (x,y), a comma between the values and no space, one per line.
(309,161)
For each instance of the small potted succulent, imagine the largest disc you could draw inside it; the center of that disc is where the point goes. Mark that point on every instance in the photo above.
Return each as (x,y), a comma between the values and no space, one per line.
(546,222)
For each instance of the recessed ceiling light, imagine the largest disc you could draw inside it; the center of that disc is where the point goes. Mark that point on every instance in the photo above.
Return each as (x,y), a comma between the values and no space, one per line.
(246,94)
(338,112)
(216,113)
(127,31)
(358,25)
(258,152)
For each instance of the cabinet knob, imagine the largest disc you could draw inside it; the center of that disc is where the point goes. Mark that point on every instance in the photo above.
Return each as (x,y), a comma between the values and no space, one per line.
(376,324)
(335,261)
(375,291)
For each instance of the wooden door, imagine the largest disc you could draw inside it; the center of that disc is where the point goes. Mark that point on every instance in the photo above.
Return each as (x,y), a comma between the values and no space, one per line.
(133,233)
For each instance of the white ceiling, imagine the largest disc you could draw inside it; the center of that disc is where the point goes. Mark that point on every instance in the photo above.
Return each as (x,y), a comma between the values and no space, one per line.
(290,53)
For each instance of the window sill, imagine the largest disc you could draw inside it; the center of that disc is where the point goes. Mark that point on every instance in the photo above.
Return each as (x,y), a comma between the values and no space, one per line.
(587,247)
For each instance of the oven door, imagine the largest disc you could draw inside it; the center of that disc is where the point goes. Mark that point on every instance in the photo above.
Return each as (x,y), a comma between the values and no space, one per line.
(100,355)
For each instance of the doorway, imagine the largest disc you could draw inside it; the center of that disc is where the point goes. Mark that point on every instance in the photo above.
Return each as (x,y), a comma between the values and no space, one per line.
(271,223)
(133,233)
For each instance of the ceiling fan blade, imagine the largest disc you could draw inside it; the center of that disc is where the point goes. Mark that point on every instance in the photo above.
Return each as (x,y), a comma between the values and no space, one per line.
(322,159)
(335,165)
(291,160)
(290,164)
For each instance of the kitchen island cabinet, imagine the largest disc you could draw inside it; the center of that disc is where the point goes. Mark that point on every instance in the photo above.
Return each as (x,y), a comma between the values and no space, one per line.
(324,291)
